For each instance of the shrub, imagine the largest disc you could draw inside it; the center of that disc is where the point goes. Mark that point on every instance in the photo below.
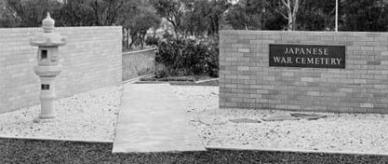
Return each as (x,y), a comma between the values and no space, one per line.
(213,59)
(182,57)
(152,41)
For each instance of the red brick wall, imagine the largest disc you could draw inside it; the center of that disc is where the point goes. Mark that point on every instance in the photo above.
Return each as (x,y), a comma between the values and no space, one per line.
(247,81)
(91,59)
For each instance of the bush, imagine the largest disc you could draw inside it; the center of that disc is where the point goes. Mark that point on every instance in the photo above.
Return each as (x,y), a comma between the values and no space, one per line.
(152,41)
(183,57)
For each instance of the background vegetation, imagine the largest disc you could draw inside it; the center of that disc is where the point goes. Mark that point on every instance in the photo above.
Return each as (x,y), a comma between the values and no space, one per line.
(193,25)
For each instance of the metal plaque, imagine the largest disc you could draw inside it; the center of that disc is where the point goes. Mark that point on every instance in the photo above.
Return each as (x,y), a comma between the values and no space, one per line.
(312,56)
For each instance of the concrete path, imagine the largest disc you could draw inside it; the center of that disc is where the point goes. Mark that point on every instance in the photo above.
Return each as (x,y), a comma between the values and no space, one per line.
(152,119)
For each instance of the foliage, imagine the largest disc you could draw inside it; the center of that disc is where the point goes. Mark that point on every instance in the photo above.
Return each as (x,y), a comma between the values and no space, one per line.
(107,12)
(203,18)
(75,13)
(183,57)
(199,18)
(192,17)
(152,41)
(273,21)
(317,15)
(71,13)
(172,10)
(7,18)
(139,26)
(192,49)
(364,15)
(31,13)
(247,15)
(288,9)
(138,18)
(93,12)
(361,15)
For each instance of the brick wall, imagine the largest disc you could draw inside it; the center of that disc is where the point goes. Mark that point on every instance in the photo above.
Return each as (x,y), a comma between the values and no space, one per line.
(247,81)
(137,63)
(91,59)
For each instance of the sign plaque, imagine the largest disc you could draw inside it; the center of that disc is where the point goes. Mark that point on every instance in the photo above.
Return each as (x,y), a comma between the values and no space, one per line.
(312,56)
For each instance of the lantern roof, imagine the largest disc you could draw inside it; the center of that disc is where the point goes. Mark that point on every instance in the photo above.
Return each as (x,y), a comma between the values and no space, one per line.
(48,38)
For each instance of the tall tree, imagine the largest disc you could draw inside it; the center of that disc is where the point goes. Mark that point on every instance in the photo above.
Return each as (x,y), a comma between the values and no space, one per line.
(364,15)
(31,13)
(107,12)
(75,13)
(203,18)
(288,9)
(173,11)
(247,14)
(8,17)
(317,15)
(137,18)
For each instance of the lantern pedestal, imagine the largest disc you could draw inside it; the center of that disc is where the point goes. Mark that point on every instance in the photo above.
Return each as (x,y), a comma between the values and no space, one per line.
(48,67)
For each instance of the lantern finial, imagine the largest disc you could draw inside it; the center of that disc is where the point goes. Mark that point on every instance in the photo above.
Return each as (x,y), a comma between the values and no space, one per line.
(48,24)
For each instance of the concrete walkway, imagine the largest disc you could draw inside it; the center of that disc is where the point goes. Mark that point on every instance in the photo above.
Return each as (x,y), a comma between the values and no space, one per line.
(152,119)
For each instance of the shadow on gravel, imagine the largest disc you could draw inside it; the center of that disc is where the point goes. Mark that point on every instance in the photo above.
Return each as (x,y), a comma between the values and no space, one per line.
(36,151)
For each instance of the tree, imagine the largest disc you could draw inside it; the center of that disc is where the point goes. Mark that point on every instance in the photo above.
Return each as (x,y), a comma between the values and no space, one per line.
(7,16)
(317,15)
(192,17)
(140,25)
(107,12)
(288,9)
(247,14)
(203,18)
(364,15)
(71,13)
(173,11)
(75,13)
(137,18)
(31,13)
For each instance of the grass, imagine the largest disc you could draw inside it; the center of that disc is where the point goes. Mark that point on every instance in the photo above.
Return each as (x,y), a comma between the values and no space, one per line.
(170,78)
(207,83)
(182,80)
(38,151)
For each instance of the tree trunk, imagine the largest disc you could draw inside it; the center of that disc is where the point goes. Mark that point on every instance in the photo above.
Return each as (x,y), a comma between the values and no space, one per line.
(290,21)
(292,7)
(123,39)
(128,35)
(294,22)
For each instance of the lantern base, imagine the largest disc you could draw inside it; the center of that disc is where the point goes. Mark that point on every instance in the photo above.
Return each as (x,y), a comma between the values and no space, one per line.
(44,120)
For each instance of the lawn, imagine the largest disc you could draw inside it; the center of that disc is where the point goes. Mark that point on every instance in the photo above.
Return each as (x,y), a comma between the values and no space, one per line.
(39,151)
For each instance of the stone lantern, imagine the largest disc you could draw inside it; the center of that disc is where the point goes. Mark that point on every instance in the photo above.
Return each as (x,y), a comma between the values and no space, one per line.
(48,66)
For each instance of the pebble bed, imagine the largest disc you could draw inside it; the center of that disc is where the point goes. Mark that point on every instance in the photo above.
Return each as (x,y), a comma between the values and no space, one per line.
(349,133)
(89,116)
(92,116)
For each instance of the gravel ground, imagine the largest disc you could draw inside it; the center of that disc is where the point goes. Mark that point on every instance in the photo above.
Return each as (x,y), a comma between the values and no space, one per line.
(92,116)
(351,133)
(89,116)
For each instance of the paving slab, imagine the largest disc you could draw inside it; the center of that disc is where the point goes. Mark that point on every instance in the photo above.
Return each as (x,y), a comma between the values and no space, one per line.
(152,119)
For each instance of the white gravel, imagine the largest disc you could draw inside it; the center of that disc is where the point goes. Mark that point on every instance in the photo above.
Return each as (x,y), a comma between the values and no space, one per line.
(92,117)
(350,133)
(89,116)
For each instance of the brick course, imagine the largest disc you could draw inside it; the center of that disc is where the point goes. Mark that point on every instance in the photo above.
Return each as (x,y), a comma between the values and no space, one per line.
(91,59)
(247,81)
(138,63)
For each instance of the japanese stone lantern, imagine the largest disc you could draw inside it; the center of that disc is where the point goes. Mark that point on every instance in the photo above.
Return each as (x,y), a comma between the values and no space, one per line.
(48,66)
